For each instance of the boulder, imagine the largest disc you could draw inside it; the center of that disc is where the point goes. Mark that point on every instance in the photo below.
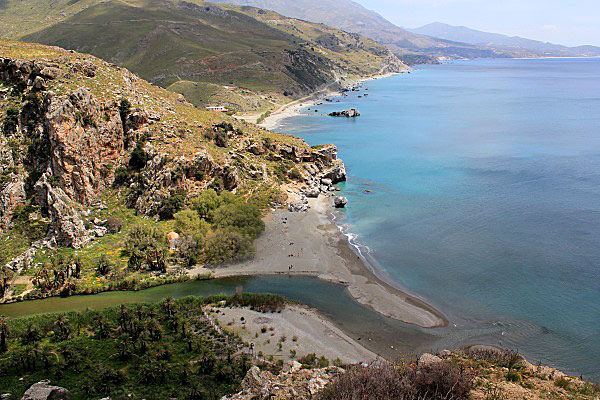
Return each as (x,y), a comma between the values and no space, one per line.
(312,192)
(340,202)
(298,207)
(351,113)
(428,359)
(44,391)
(326,182)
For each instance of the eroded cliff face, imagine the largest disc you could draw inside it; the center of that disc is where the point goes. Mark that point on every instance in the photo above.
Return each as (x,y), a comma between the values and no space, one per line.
(66,135)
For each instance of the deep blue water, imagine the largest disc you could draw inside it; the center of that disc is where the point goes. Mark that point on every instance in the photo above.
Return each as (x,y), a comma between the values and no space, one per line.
(485,180)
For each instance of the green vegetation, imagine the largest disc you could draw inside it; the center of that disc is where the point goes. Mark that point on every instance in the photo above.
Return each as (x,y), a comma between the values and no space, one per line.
(153,351)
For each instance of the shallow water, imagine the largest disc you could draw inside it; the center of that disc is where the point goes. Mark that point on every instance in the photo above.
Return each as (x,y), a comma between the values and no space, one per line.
(485,196)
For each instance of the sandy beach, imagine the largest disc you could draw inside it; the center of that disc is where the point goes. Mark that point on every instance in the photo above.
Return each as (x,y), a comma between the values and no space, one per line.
(293,108)
(311,244)
(299,330)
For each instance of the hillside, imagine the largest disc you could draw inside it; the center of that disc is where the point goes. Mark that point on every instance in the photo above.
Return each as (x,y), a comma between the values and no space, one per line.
(92,156)
(177,44)
(352,17)
(514,44)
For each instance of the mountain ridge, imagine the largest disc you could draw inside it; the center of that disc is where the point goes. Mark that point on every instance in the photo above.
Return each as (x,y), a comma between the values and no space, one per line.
(500,41)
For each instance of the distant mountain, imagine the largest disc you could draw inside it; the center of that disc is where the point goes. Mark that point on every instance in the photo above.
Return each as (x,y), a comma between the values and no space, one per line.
(352,17)
(502,42)
(191,46)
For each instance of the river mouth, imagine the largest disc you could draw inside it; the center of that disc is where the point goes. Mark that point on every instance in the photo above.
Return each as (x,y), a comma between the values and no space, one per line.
(385,336)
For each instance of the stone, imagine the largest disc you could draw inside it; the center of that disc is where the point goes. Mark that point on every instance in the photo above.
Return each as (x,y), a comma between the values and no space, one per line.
(428,359)
(326,182)
(39,83)
(44,391)
(351,113)
(297,207)
(340,202)
(312,192)
(172,238)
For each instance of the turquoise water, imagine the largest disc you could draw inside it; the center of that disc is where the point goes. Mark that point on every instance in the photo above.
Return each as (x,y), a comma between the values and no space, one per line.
(485,196)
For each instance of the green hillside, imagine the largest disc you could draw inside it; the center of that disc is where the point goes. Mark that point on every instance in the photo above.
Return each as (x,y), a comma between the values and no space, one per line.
(166,42)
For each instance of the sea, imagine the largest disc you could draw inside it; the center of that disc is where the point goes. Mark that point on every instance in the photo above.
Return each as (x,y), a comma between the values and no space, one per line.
(475,185)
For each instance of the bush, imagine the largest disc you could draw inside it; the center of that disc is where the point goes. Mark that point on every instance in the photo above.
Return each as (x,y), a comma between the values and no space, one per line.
(139,158)
(384,381)
(170,206)
(103,265)
(146,248)
(122,176)
(225,245)
(242,217)
(11,121)
(562,383)
(513,376)
(114,224)
(187,251)
(312,361)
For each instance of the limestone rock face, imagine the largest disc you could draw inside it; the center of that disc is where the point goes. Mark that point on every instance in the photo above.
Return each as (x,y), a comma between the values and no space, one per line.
(67,227)
(83,147)
(44,391)
(293,383)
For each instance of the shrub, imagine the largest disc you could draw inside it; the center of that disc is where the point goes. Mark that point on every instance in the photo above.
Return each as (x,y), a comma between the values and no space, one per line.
(170,206)
(146,247)
(562,383)
(242,217)
(295,174)
(11,121)
(103,265)
(114,224)
(122,176)
(139,158)
(513,376)
(187,251)
(384,381)
(225,245)
(312,361)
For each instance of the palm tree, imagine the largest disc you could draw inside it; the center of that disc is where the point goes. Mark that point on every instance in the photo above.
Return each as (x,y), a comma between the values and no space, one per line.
(3,334)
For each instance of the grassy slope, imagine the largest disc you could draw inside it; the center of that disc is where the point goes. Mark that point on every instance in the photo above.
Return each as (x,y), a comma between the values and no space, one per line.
(170,42)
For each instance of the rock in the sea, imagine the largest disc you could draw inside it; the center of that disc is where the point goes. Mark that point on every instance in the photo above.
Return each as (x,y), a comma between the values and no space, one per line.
(351,113)
(44,391)
(340,202)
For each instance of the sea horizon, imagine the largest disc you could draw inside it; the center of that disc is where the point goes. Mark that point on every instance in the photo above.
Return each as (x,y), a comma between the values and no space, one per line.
(477,144)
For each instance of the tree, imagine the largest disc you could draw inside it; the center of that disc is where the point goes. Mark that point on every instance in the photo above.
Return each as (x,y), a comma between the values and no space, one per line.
(3,334)
(206,202)
(242,217)
(189,223)
(225,245)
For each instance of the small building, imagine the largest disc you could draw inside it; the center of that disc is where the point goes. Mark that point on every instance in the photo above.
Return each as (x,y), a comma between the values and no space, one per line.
(217,108)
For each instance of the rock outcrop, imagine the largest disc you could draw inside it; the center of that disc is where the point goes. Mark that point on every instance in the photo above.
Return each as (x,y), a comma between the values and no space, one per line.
(293,382)
(44,391)
(351,113)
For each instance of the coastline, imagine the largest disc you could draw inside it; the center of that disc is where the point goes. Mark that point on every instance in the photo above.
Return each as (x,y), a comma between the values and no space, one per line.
(311,244)
(292,109)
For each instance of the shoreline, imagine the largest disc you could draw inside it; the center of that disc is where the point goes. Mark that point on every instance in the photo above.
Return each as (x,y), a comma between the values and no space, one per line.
(292,109)
(311,244)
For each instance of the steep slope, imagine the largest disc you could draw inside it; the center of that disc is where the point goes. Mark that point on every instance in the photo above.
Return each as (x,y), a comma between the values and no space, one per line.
(513,44)
(83,141)
(168,42)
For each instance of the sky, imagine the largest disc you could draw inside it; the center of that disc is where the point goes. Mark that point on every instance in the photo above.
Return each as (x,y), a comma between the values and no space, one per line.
(567,22)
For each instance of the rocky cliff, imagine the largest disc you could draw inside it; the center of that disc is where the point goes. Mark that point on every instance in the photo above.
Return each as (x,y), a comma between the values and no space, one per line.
(75,127)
